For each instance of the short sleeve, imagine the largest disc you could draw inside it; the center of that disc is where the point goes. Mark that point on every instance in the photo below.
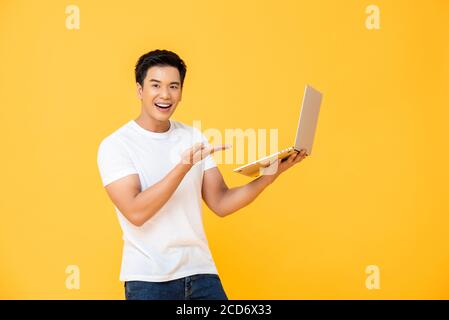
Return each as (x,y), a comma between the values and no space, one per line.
(113,161)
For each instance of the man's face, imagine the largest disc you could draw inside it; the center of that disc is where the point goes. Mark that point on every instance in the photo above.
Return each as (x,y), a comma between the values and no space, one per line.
(161,92)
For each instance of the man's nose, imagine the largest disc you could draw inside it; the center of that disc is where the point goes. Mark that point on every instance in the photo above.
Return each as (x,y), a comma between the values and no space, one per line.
(164,94)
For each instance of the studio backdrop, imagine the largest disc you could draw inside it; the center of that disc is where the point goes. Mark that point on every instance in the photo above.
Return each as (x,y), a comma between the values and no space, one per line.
(364,217)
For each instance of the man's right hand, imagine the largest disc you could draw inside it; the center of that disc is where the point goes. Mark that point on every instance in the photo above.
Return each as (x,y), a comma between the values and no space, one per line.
(198,152)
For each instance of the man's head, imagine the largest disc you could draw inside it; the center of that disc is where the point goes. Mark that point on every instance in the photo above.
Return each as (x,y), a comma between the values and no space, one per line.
(159,77)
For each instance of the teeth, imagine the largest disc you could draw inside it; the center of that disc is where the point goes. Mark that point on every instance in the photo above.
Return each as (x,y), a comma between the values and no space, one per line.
(163,105)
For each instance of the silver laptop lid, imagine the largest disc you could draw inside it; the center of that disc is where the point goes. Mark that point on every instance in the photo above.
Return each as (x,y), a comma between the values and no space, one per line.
(308,119)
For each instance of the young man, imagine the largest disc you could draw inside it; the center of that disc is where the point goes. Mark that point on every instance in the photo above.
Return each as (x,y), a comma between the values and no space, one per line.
(156,171)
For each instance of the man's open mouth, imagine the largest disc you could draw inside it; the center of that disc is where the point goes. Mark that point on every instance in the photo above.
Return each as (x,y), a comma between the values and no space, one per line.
(163,106)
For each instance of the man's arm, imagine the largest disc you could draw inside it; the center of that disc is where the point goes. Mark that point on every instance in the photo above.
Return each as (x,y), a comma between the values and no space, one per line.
(139,206)
(224,201)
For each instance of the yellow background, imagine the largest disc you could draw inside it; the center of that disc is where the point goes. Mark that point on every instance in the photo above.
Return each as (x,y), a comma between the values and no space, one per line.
(374,192)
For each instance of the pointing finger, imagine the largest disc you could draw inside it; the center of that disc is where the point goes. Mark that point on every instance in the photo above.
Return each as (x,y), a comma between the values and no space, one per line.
(220,147)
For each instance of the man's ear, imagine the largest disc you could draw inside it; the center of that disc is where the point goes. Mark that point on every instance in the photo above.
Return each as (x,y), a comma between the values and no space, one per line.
(139,90)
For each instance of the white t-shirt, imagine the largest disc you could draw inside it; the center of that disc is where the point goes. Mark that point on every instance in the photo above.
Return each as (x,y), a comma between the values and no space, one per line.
(172,243)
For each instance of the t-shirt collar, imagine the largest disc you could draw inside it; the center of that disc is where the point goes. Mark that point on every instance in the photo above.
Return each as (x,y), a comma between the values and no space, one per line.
(152,134)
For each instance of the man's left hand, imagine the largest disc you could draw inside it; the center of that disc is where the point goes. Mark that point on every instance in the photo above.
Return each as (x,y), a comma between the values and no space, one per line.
(279,166)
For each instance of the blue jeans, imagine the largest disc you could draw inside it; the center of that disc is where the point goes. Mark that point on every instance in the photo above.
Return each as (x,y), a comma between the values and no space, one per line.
(196,287)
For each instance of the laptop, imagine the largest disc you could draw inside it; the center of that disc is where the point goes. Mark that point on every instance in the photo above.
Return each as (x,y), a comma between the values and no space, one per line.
(305,134)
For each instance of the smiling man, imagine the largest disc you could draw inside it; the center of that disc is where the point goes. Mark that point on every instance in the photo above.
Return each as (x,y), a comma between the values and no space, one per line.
(157,171)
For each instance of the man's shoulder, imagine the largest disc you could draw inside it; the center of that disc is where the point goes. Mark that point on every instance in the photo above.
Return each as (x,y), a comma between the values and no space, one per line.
(115,137)
(180,126)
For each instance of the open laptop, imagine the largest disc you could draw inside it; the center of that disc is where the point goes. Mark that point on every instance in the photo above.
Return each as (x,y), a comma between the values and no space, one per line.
(305,134)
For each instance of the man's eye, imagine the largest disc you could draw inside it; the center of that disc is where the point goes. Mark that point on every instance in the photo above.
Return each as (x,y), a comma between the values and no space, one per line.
(155,85)
(174,87)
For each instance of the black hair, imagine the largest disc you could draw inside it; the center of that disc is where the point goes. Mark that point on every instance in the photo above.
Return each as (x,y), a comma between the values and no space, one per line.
(159,58)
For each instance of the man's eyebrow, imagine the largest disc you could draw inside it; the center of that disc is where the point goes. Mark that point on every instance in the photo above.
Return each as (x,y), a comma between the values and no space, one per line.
(174,82)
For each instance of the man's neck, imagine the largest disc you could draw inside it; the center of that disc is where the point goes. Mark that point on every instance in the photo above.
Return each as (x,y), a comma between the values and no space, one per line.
(153,125)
